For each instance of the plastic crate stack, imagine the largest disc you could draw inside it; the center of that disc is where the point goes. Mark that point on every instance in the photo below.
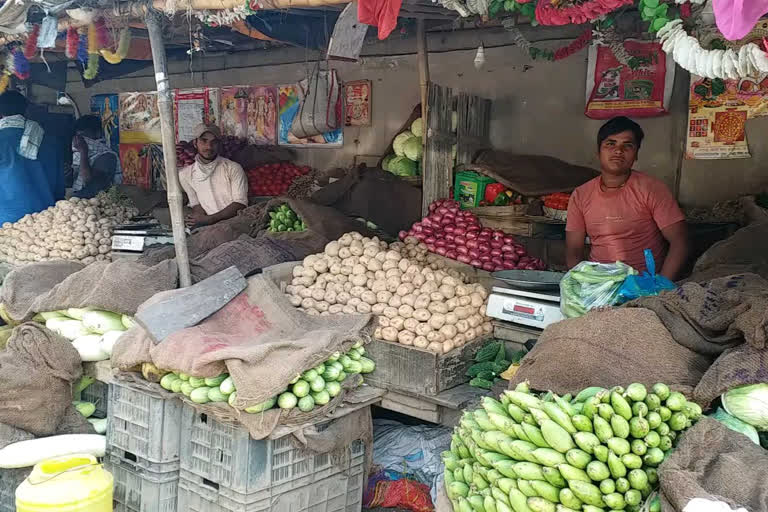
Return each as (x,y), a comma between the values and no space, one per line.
(224,470)
(143,434)
(98,394)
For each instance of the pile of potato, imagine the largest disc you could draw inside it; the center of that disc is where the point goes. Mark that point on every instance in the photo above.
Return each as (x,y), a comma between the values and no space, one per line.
(419,301)
(75,229)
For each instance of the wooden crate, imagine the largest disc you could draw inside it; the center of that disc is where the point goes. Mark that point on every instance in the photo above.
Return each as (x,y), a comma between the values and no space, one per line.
(419,371)
(525,225)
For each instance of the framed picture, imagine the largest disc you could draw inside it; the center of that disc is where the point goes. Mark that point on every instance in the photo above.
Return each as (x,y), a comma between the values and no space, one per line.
(357,96)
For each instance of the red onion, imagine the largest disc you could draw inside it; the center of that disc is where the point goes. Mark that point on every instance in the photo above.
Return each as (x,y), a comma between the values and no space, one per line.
(471,235)
(509,265)
(476,263)
(464,258)
(474,254)
(451,254)
(488,266)
(485,258)
(462,225)
(460,240)
(440,243)
(531,267)
(497,261)
(497,243)
(442,210)
(417,227)
(496,253)
(462,249)
(509,240)
(511,256)
(472,244)
(498,268)
(507,248)
(448,229)
(430,240)
(401,235)
(441,251)
(450,237)
(498,233)
(426,221)
(520,250)
(446,221)
(459,230)
(420,236)
(486,231)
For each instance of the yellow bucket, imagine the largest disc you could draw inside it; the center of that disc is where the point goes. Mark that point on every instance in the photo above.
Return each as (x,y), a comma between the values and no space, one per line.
(73,483)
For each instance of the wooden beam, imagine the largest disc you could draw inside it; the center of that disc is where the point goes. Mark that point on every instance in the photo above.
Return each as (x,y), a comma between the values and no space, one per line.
(168,132)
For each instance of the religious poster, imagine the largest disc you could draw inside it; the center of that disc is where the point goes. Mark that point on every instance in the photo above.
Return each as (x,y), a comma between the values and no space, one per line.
(288,101)
(262,115)
(135,161)
(640,88)
(357,96)
(717,115)
(234,111)
(139,118)
(192,107)
(107,108)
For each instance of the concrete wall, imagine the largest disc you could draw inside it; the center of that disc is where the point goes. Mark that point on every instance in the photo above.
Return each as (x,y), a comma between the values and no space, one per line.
(538,108)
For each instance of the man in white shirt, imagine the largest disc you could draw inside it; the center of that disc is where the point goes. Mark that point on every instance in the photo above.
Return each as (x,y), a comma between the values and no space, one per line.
(217,188)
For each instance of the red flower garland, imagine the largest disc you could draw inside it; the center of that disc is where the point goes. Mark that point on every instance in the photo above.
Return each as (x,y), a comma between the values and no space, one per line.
(576,45)
(549,14)
(30,47)
(103,36)
(73,41)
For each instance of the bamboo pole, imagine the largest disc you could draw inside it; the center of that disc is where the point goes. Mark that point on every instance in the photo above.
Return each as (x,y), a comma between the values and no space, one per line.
(168,132)
(423,63)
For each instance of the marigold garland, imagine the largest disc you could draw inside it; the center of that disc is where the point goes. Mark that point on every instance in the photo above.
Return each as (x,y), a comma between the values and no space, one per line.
(73,40)
(30,46)
(5,81)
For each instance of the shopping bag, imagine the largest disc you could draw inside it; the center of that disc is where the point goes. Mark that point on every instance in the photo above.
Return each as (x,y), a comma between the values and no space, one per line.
(649,283)
(319,112)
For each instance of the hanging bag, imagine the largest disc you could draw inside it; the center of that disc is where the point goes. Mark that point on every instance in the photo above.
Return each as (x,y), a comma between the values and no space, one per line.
(319,97)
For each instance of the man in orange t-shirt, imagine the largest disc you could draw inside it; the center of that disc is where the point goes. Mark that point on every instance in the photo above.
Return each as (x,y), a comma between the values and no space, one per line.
(624,211)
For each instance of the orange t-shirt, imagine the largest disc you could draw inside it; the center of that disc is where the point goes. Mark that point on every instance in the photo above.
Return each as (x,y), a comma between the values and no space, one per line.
(622,223)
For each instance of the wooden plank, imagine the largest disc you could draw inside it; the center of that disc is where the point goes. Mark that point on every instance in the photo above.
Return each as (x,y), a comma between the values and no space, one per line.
(411,407)
(189,306)
(348,35)
(517,334)
(438,155)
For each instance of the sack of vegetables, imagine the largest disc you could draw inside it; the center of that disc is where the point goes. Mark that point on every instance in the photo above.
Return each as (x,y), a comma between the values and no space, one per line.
(591,285)
(283,218)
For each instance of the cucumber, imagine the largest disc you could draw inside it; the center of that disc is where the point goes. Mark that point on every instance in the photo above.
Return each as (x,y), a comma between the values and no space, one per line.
(571,473)
(586,441)
(559,416)
(199,395)
(216,381)
(197,382)
(528,471)
(553,476)
(549,457)
(556,436)
(587,493)
(577,458)
(215,395)
(546,490)
(539,504)
(261,407)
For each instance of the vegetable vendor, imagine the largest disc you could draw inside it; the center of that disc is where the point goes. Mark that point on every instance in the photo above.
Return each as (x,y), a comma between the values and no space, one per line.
(31,178)
(624,211)
(95,165)
(217,187)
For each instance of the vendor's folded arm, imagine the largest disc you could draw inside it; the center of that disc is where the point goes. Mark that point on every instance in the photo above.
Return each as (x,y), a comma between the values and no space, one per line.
(227,213)
(679,247)
(574,247)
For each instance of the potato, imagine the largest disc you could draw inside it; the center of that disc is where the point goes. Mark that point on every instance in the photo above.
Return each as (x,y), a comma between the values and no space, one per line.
(389,333)
(397,322)
(363,308)
(448,345)
(435,346)
(405,311)
(411,324)
(406,337)
(420,342)
(448,331)
(448,291)
(390,312)
(438,307)
(369,297)
(383,297)
(395,301)
(422,315)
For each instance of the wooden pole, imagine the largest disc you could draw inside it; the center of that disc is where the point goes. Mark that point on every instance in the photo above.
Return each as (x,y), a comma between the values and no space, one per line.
(168,132)
(423,62)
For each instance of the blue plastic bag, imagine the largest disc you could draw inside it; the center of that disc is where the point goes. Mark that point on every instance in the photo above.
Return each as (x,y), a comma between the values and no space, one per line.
(649,283)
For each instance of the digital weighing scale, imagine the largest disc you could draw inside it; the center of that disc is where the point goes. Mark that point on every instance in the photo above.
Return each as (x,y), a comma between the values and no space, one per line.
(530,298)
(134,237)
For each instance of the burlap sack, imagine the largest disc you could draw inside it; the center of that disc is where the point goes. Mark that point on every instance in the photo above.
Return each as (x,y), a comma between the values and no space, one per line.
(745,251)
(198,243)
(120,286)
(247,254)
(258,338)
(609,348)
(25,284)
(716,316)
(37,369)
(369,193)
(713,462)
(735,367)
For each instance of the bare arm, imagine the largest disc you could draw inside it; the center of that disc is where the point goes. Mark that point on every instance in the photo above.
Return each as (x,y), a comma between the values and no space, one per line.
(227,213)
(574,247)
(679,247)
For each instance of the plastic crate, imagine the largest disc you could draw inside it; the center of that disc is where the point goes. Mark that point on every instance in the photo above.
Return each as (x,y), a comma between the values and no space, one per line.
(139,490)
(339,491)
(10,479)
(143,426)
(98,394)
(227,456)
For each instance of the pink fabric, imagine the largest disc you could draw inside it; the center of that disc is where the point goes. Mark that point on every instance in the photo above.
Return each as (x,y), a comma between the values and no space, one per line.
(622,223)
(735,18)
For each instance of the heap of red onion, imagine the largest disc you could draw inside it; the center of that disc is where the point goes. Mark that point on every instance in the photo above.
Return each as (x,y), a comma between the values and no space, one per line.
(457,234)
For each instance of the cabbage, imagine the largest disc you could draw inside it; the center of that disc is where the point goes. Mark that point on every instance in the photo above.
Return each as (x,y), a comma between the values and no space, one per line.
(387,159)
(401,166)
(749,404)
(417,127)
(413,149)
(399,142)
(737,425)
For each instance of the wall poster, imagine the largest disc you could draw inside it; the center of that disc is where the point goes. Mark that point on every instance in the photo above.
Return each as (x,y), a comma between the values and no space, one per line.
(192,107)
(139,118)
(234,111)
(288,101)
(262,115)
(357,96)
(107,107)
(135,160)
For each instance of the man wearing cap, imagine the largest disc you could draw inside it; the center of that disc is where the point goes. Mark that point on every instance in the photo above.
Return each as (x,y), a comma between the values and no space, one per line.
(217,187)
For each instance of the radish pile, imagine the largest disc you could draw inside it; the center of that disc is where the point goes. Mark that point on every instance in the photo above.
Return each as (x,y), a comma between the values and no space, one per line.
(273,179)
(457,234)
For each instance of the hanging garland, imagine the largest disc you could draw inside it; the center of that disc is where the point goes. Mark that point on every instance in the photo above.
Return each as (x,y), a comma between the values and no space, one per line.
(92,69)
(82,47)
(535,53)
(8,70)
(123,46)
(30,46)
(686,50)
(549,13)
(20,64)
(72,42)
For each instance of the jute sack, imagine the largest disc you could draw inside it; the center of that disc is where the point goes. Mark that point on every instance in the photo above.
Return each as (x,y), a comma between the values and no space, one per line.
(610,348)
(258,338)
(739,366)
(744,251)
(713,462)
(120,286)
(37,369)
(247,254)
(717,315)
(25,284)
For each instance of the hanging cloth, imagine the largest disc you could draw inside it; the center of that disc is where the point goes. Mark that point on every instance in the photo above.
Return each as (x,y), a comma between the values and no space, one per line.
(735,18)
(379,13)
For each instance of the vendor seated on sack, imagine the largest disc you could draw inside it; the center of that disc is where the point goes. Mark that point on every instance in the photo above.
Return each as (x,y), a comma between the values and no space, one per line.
(624,211)
(217,188)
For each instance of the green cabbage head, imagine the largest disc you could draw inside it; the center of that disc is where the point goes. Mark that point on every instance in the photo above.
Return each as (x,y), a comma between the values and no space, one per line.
(749,404)
(398,145)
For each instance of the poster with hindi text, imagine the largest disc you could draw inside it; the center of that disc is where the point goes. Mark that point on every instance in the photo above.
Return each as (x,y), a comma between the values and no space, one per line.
(192,107)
